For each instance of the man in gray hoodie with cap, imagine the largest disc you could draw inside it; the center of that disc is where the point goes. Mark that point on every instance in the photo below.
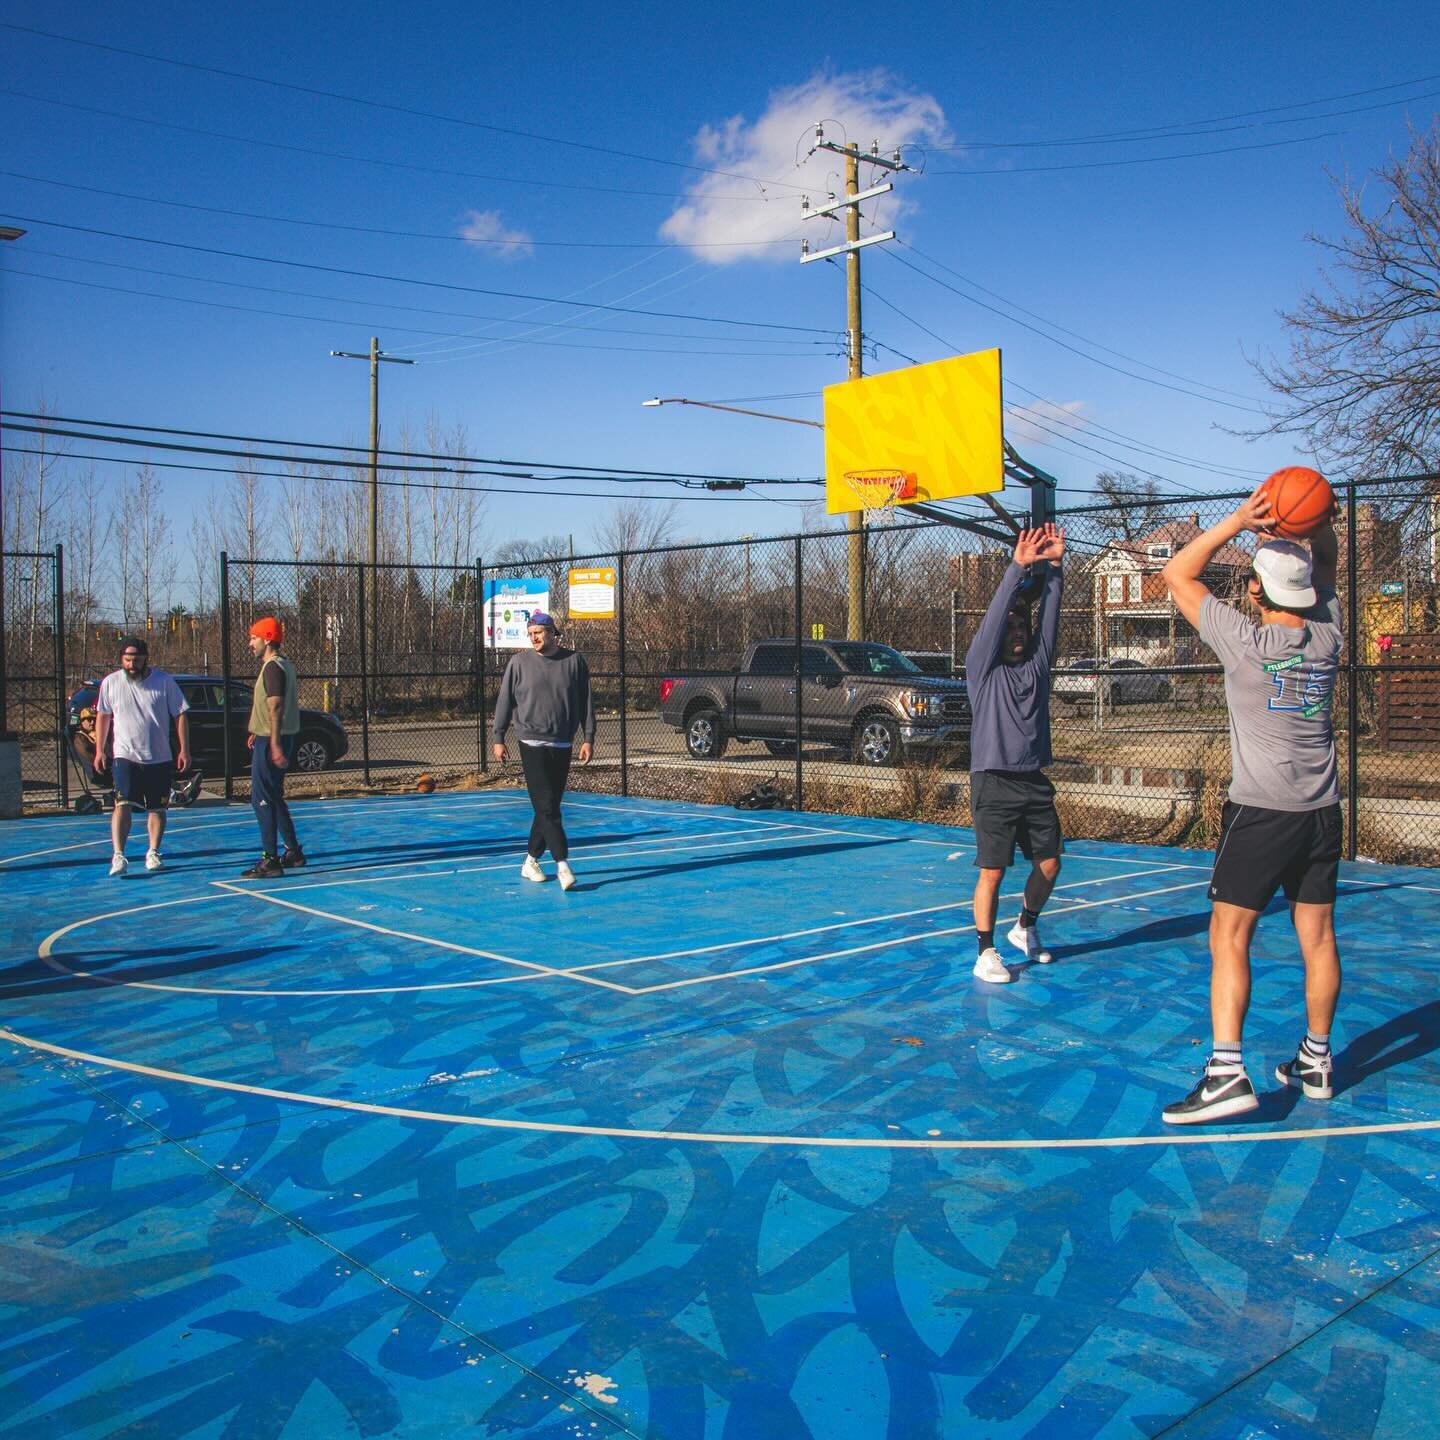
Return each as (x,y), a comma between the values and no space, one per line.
(546,689)
(1281,825)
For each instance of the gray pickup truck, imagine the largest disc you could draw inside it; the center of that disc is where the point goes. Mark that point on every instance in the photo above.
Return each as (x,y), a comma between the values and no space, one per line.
(863,698)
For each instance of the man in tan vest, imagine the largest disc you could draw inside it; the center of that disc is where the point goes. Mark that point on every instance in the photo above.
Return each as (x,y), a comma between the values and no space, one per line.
(274,724)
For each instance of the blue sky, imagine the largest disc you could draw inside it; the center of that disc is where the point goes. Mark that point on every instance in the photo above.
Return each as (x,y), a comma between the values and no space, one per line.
(1177,265)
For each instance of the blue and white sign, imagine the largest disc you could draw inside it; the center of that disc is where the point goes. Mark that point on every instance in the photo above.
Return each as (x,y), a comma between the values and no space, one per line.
(508,607)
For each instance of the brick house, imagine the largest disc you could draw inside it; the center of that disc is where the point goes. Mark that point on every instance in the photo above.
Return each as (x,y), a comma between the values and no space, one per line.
(1134,617)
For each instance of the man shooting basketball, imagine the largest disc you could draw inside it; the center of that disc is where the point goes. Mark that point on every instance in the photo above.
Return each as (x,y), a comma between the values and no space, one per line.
(1007,671)
(1281,825)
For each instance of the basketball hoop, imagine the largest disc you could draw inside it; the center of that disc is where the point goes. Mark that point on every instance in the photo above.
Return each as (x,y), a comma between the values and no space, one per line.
(879,491)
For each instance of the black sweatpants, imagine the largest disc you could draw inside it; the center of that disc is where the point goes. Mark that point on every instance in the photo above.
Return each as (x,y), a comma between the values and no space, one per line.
(547,768)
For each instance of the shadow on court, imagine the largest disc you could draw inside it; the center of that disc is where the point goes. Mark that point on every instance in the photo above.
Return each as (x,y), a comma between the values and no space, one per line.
(1407,1037)
(751,857)
(35,977)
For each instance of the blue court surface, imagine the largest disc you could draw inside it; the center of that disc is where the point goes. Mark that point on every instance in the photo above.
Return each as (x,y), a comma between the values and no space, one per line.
(726,1142)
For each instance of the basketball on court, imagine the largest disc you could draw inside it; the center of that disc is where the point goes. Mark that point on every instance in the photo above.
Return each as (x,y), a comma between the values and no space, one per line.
(1300,500)
(425,784)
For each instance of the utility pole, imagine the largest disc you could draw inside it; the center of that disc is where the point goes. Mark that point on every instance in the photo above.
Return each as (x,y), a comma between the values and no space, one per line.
(375,356)
(854,335)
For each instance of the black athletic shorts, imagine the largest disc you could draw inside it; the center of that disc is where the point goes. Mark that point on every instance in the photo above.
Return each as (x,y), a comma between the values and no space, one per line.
(147,785)
(1011,805)
(1262,851)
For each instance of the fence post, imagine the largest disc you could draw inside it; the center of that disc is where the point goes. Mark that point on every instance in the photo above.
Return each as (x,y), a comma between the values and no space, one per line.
(624,707)
(1352,630)
(364,678)
(227,720)
(480,667)
(58,616)
(799,672)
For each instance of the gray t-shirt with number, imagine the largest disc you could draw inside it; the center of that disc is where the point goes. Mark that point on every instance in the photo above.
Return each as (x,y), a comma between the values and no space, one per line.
(1279,684)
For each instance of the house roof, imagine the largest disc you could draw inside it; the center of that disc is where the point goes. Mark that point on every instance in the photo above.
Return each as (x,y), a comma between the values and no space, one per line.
(1133,554)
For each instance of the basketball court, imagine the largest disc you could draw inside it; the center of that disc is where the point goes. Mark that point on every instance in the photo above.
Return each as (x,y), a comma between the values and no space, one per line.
(727,1141)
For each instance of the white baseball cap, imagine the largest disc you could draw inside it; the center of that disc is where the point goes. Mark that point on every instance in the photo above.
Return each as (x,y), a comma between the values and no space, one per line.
(1286,574)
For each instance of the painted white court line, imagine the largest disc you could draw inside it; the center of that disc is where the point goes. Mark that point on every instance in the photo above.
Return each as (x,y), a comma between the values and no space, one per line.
(451,945)
(897,940)
(612,1132)
(850,924)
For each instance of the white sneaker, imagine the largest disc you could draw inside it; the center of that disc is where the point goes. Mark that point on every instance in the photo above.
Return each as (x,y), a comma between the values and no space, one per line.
(153,860)
(1027,940)
(531,870)
(564,874)
(992,968)
(119,864)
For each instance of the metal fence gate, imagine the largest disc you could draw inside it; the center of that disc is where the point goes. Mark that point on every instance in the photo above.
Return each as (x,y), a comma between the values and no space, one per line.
(32,671)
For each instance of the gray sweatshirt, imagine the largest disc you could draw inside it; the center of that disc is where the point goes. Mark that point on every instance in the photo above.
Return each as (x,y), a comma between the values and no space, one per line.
(1279,685)
(548,696)
(1010,704)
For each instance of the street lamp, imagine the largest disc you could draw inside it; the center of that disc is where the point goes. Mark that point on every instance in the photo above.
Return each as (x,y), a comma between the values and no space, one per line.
(733,409)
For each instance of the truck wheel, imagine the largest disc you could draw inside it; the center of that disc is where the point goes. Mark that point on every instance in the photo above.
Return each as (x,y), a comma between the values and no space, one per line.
(877,741)
(780,747)
(704,739)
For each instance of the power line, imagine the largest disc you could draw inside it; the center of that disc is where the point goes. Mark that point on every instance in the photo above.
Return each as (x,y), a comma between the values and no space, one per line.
(46,423)
(371,159)
(416,330)
(385,304)
(394,109)
(1093,359)
(516,243)
(953,348)
(395,484)
(407,280)
(1143,159)
(1134,360)
(1180,129)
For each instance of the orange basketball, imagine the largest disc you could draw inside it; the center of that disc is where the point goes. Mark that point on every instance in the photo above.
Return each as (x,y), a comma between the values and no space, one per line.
(1300,500)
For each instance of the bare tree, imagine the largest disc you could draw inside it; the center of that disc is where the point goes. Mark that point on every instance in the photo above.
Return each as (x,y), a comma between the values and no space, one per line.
(247,524)
(1364,366)
(1135,500)
(637,525)
(154,554)
(87,524)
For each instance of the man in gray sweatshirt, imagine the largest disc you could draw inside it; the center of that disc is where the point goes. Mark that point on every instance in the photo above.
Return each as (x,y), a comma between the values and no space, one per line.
(546,690)
(1007,672)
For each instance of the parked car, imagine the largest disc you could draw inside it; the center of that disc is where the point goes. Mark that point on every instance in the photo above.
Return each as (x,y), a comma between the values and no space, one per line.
(321,742)
(1124,682)
(868,699)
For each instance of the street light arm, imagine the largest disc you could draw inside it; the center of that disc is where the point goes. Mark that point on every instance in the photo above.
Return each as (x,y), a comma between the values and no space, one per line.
(733,409)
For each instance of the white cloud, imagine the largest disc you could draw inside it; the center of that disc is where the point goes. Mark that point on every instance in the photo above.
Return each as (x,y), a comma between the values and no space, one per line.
(859,107)
(1043,421)
(484,227)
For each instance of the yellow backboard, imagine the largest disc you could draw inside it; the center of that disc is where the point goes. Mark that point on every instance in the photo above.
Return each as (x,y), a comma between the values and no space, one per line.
(940,423)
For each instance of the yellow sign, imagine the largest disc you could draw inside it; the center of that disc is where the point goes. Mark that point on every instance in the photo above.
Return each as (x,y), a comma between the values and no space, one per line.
(817,631)
(938,423)
(592,594)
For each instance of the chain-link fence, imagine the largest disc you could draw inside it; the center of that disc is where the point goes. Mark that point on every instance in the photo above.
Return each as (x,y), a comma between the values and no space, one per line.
(389,661)
(718,666)
(32,625)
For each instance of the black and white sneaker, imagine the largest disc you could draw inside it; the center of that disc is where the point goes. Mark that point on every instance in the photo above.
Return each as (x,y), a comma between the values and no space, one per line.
(1224,1090)
(1314,1074)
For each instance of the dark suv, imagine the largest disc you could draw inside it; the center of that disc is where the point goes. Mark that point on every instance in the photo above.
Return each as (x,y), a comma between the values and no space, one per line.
(321,742)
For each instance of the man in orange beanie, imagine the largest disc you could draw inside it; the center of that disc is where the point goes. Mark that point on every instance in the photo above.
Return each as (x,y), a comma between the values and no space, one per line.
(274,724)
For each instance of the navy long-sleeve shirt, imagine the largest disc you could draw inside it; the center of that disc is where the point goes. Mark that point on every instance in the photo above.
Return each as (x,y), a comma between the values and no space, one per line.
(1010,704)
